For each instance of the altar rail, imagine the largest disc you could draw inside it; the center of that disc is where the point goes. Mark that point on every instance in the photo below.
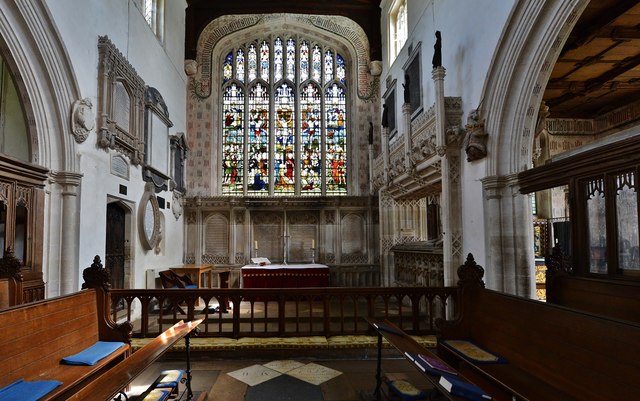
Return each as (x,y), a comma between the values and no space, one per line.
(290,312)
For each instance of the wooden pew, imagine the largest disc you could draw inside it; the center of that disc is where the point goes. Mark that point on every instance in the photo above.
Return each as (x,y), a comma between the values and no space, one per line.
(35,337)
(552,352)
(616,298)
(109,384)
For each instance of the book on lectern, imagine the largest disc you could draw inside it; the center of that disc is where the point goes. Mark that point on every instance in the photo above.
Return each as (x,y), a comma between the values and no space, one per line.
(430,364)
(461,388)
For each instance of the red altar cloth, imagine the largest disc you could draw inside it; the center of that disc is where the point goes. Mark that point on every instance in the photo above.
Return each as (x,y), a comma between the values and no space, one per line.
(285,276)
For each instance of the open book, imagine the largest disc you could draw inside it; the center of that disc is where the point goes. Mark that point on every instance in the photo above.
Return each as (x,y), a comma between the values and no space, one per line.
(260,261)
(461,388)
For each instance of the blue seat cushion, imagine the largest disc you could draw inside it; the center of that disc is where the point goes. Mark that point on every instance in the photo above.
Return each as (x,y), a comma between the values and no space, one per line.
(190,286)
(21,390)
(93,354)
(169,378)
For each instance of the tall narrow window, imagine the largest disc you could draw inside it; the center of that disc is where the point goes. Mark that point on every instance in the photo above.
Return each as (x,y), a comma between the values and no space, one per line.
(627,221)
(398,28)
(292,139)
(153,13)
(597,226)
(233,139)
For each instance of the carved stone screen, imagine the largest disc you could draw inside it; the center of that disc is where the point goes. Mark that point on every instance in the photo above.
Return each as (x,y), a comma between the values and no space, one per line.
(267,232)
(302,230)
(216,243)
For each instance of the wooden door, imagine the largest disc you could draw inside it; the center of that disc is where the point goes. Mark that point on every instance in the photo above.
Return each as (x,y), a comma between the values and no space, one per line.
(114,250)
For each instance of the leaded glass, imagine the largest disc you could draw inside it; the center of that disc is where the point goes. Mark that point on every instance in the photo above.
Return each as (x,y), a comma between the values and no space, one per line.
(277,60)
(316,63)
(282,145)
(597,226)
(264,61)
(252,63)
(232,139)
(284,156)
(258,140)
(304,61)
(310,140)
(335,140)
(341,69)
(291,60)
(227,67)
(328,66)
(240,65)
(627,221)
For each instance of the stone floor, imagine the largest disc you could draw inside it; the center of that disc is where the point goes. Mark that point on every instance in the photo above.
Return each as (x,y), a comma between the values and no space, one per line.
(266,376)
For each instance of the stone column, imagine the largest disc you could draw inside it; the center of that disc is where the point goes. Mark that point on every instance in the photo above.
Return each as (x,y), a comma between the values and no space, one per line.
(406,113)
(371,189)
(385,152)
(438,75)
(69,205)
(199,230)
(509,266)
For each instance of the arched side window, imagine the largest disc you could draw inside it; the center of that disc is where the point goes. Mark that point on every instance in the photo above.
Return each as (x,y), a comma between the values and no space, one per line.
(398,28)
(284,118)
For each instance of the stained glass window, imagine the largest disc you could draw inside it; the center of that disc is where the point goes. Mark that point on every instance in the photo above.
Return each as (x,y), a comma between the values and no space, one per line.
(232,139)
(278,60)
(227,68)
(336,135)
(284,156)
(310,139)
(284,137)
(240,65)
(291,59)
(258,139)
(328,66)
(316,63)
(304,61)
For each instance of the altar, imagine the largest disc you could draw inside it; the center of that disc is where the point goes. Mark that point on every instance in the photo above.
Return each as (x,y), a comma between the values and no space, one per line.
(285,276)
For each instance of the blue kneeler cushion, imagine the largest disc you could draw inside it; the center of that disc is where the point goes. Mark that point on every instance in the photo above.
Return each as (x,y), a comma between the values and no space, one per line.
(27,391)
(157,395)
(93,354)
(170,378)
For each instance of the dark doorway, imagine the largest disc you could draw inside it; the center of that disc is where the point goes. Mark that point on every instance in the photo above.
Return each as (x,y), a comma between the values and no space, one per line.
(114,249)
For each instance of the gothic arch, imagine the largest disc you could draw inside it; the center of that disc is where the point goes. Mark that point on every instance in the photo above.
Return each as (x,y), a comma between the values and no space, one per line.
(45,78)
(529,47)
(343,31)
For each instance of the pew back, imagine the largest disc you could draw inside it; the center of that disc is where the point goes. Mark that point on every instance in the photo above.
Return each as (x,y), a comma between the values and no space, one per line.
(583,355)
(618,299)
(35,337)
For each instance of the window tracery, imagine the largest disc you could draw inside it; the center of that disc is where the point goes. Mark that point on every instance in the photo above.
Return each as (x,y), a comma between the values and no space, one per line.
(284,118)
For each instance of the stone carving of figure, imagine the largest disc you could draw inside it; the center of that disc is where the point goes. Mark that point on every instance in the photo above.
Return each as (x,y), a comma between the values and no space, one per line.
(475,142)
(541,129)
(385,115)
(407,89)
(370,133)
(437,51)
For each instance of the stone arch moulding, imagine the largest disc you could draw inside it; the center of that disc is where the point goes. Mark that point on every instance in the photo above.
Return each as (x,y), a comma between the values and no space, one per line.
(200,71)
(39,63)
(527,51)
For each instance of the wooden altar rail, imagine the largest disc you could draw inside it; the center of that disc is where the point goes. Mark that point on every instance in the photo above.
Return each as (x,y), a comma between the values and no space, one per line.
(290,312)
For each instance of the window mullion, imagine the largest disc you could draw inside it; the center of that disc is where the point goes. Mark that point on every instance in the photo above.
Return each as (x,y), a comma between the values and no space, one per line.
(245,142)
(323,136)
(272,119)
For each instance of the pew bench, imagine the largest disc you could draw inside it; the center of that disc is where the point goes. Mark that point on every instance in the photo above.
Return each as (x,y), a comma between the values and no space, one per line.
(548,352)
(34,338)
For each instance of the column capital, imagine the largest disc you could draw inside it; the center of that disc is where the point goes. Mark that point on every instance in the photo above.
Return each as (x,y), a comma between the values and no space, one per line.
(438,73)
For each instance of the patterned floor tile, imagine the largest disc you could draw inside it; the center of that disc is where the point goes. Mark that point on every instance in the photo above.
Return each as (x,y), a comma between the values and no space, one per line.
(254,374)
(314,373)
(284,366)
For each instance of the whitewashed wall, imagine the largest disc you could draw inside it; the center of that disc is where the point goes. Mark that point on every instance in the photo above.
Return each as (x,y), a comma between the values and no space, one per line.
(160,65)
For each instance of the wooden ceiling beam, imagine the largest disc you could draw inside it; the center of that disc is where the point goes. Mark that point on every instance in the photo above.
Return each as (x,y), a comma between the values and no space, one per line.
(586,31)
(598,82)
